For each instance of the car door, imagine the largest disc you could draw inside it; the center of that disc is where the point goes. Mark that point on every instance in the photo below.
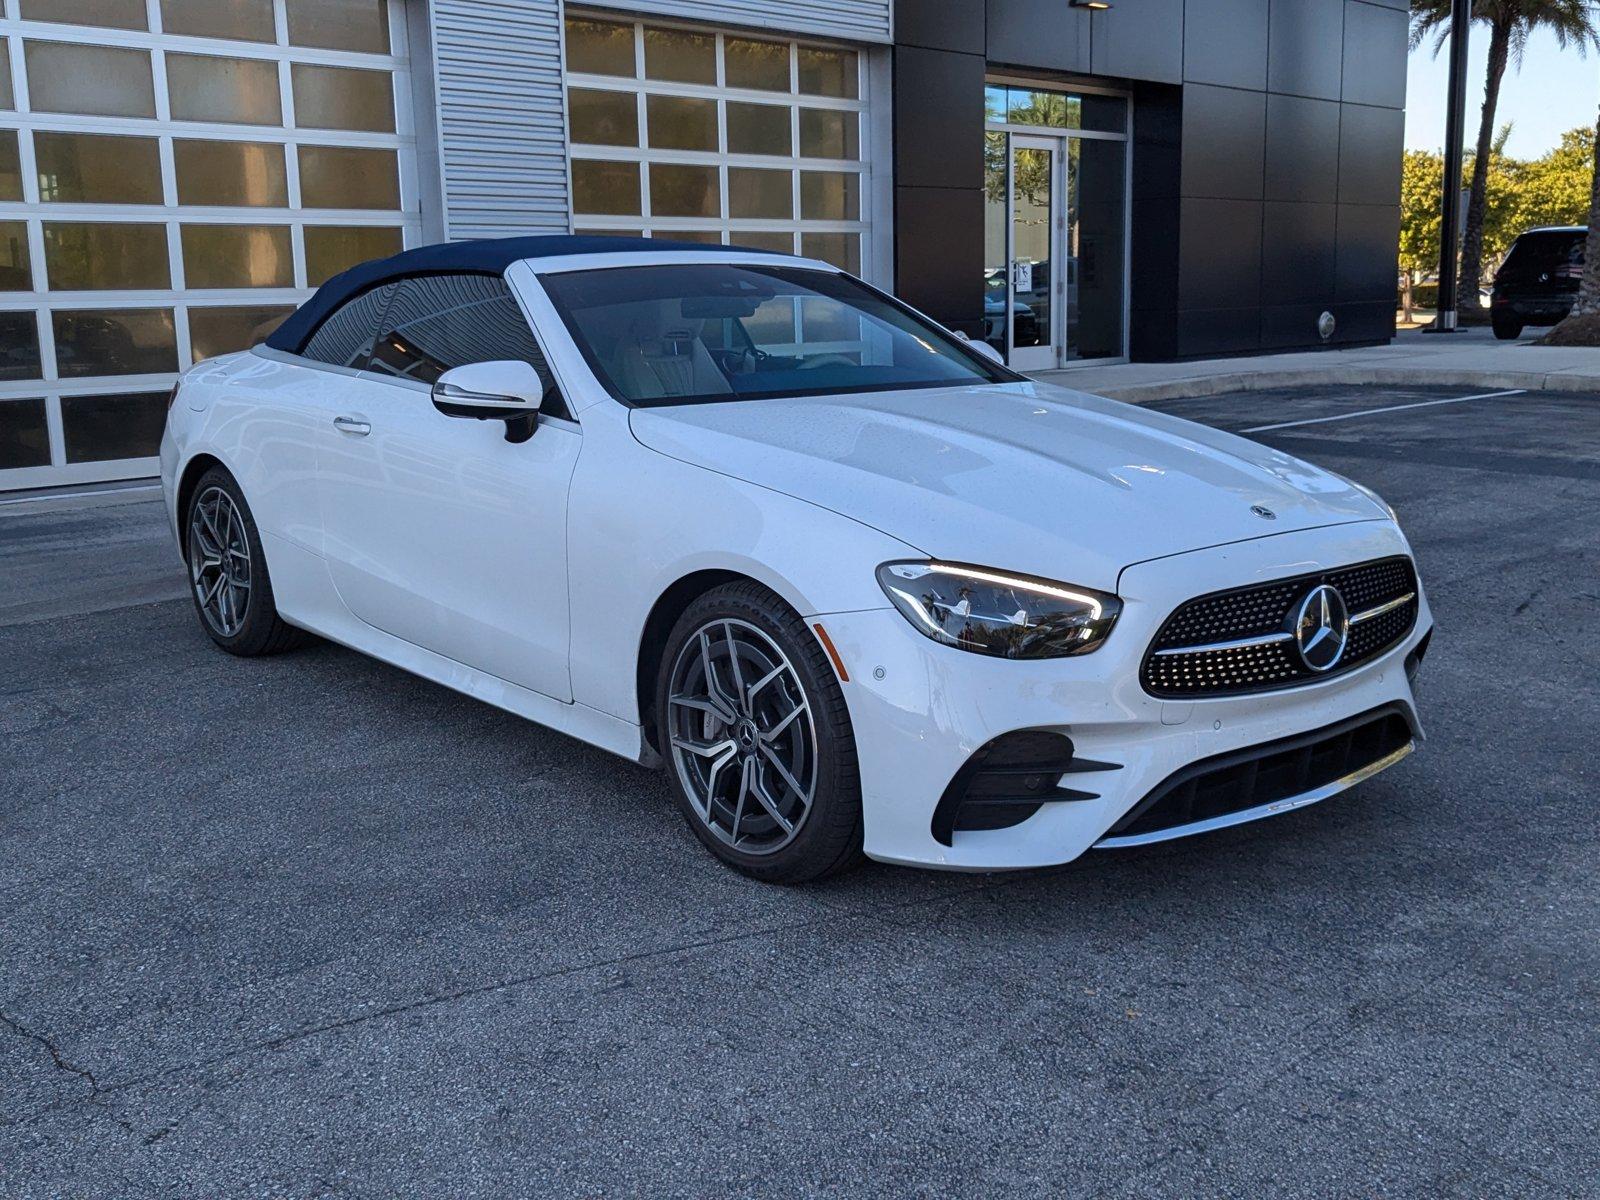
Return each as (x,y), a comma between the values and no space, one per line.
(275,409)
(438,530)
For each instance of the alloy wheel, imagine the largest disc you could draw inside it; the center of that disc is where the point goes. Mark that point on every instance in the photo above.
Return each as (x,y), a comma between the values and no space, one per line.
(219,561)
(742,737)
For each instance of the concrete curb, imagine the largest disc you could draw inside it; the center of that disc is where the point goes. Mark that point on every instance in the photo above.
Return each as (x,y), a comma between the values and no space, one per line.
(1255,381)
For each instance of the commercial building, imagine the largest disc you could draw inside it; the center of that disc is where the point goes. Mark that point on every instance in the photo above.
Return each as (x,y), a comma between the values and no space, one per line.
(1164,178)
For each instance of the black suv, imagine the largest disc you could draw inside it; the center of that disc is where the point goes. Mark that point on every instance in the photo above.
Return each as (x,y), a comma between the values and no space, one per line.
(1538,281)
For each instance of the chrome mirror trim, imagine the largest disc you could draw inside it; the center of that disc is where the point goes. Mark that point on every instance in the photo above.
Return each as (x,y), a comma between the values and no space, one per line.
(454,393)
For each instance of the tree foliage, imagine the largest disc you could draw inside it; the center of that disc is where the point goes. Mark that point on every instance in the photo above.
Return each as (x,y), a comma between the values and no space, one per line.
(1421,185)
(1575,25)
(1582,325)
(1552,189)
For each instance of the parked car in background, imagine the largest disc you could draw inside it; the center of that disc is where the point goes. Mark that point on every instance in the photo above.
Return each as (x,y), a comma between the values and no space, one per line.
(857,586)
(1024,321)
(1538,281)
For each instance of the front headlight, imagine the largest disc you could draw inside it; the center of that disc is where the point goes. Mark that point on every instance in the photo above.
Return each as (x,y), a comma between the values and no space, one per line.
(990,612)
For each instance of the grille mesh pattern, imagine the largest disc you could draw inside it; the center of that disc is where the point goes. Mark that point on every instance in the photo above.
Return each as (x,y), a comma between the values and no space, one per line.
(1276,771)
(1374,583)
(1221,618)
(1266,609)
(1370,637)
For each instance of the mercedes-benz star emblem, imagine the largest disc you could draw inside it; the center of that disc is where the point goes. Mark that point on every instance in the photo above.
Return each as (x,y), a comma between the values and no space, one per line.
(1262,511)
(1322,627)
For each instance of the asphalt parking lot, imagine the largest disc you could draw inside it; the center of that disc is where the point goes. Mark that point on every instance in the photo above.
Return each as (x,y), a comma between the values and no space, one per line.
(308,926)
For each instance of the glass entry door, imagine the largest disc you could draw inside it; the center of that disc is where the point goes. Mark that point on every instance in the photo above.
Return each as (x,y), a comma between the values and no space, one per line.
(1024,294)
(1055,226)
(1035,218)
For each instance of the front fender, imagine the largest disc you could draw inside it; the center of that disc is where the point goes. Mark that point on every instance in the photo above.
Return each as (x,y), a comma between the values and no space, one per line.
(639,522)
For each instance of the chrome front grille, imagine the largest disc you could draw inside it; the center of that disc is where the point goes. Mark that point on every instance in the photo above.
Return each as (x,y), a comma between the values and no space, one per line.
(1241,641)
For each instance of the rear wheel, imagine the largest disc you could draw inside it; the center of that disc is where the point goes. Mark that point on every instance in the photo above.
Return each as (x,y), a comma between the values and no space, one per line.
(228,578)
(757,739)
(1506,328)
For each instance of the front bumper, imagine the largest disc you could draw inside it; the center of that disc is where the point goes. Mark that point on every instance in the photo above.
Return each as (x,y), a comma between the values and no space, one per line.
(920,710)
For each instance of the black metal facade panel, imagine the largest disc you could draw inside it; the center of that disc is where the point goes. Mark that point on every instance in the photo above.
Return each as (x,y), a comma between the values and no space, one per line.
(1227,162)
(1225,43)
(1297,252)
(939,252)
(1368,235)
(1371,142)
(1138,41)
(946,150)
(1219,261)
(1305,48)
(1045,35)
(1209,332)
(1302,149)
(940,25)
(1374,55)
(1265,157)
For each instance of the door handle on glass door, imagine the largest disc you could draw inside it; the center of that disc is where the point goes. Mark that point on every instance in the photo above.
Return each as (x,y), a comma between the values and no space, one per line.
(353,425)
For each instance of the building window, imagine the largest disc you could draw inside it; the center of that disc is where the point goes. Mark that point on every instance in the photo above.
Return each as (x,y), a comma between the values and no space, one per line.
(698,135)
(169,191)
(1055,224)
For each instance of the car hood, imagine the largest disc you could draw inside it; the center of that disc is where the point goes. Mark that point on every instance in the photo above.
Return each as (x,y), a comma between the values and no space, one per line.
(1025,477)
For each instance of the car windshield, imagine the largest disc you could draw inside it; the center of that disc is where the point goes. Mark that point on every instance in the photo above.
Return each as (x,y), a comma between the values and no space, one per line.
(691,333)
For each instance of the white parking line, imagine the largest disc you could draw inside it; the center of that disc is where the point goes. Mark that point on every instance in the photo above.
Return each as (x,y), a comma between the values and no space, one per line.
(1368,412)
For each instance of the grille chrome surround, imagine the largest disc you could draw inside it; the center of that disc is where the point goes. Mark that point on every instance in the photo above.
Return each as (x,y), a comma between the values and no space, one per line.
(1238,642)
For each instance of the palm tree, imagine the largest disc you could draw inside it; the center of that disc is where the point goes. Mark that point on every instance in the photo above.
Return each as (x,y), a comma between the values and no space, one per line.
(1575,24)
(1582,326)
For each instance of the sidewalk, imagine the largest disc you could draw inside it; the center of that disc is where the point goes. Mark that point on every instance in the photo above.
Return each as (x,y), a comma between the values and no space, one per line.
(1471,359)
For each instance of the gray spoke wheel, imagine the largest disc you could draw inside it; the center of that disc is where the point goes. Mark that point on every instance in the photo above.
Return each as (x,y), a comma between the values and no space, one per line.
(742,737)
(755,736)
(220,565)
(228,577)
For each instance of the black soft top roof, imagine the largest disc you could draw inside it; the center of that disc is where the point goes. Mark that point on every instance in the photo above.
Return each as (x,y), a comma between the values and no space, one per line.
(488,255)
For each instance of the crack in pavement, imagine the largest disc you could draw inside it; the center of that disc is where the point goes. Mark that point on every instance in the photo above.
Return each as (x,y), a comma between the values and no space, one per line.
(99,1091)
(62,1063)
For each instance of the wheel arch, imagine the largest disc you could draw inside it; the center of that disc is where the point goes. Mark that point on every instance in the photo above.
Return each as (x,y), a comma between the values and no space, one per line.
(188,480)
(664,614)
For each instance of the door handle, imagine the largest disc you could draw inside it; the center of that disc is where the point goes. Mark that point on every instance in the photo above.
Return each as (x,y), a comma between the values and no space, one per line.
(353,425)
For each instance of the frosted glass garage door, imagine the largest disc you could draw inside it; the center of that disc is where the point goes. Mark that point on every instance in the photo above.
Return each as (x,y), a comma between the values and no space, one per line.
(716,136)
(175,176)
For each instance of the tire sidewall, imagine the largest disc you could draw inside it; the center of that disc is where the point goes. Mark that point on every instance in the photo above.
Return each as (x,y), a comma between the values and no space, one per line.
(259,611)
(837,804)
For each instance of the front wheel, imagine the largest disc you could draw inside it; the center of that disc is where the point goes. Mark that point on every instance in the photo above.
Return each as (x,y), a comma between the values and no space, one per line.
(757,740)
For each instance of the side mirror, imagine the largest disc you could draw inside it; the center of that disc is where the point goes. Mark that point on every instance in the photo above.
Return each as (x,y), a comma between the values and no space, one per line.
(506,390)
(982,348)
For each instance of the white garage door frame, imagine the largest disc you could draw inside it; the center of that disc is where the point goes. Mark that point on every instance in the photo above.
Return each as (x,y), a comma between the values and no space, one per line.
(169,214)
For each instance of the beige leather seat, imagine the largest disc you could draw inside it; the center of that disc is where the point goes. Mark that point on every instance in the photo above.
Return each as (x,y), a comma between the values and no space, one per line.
(662,356)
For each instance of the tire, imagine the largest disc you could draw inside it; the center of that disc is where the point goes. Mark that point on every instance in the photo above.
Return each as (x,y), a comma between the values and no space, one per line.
(1506,328)
(795,722)
(234,603)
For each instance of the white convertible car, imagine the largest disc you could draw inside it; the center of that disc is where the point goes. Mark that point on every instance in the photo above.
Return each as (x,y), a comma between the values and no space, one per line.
(857,586)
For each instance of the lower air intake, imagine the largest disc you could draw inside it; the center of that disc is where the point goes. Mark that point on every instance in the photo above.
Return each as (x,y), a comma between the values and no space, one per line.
(1266,774)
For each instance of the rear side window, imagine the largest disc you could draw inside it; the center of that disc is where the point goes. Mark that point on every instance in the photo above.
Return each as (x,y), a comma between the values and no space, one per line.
(441,321)
(345,338)
(1539,252)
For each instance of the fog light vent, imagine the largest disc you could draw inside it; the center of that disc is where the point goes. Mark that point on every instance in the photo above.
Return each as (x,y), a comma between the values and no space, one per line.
(1008,780)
